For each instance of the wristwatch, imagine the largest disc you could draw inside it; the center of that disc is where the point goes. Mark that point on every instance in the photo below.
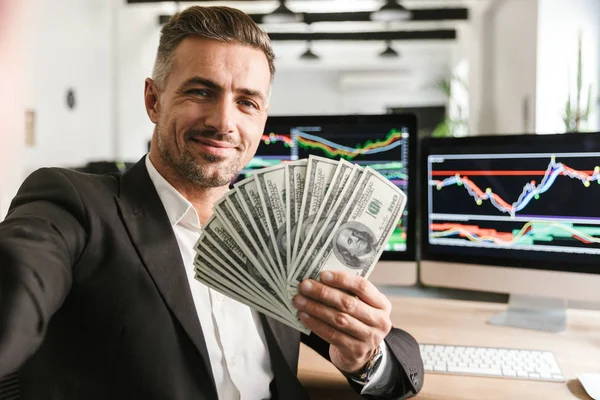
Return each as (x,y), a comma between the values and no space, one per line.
(364,375)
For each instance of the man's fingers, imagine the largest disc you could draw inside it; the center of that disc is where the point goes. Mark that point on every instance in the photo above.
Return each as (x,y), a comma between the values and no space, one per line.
(332,335)
(336,319)
(345,303)
(358,286)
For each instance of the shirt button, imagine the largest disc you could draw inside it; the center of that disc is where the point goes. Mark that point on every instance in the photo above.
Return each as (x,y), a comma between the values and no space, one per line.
(233,362)
(219,297)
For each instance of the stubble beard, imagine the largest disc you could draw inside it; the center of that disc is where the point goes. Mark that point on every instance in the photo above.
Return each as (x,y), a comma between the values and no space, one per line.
(218,173)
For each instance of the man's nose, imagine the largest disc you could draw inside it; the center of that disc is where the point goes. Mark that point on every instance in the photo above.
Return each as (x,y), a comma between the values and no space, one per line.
(221,116)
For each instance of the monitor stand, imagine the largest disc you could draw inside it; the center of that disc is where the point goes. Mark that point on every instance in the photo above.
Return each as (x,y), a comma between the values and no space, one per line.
(533,312)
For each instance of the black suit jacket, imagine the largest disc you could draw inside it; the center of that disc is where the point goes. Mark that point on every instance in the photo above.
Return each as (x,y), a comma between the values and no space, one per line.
(95,303)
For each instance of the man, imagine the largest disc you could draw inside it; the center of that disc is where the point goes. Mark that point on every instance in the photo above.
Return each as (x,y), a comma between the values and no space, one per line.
(97,296)
(354,246)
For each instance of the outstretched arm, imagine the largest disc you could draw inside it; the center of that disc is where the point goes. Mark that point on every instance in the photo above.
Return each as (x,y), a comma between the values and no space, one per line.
(41,238)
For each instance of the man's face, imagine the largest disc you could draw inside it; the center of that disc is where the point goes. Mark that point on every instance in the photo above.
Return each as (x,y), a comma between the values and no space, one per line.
(212,111)
(353,241)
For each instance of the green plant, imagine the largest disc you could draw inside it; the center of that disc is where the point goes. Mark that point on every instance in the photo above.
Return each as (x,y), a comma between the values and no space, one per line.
(450,126)
(573,117)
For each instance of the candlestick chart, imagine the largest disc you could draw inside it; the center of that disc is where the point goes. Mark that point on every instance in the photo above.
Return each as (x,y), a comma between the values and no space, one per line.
(545,202)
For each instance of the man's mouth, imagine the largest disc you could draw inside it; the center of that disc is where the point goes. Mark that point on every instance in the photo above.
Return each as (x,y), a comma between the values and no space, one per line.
(216,148)
(213,143)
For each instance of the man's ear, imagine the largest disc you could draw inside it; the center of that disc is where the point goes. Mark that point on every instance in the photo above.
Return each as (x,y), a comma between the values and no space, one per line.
(151,100)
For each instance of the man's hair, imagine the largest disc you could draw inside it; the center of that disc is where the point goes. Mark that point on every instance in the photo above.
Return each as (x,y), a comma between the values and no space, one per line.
(224,24)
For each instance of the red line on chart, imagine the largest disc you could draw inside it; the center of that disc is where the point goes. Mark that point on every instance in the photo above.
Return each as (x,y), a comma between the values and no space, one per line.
(494,173)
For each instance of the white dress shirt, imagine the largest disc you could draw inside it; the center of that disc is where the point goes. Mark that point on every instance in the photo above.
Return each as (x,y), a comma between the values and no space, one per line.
(234,336)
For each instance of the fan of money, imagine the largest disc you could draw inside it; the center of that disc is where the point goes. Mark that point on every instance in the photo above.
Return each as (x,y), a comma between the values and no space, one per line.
(290,222)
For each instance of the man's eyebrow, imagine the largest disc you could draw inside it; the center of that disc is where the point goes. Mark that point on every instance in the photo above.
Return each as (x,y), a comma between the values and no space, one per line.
(198,80)
(253,93)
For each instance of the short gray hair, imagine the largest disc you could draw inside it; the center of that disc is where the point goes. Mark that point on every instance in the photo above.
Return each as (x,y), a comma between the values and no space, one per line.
(224,24)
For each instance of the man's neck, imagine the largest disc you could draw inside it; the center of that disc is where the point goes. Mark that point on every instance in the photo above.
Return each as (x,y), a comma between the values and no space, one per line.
(202,198)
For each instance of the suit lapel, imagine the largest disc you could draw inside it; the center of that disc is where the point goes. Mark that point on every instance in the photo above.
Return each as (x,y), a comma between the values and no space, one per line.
(148,225)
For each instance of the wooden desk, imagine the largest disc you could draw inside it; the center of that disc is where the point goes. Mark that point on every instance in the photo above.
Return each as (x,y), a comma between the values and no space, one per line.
(464,323)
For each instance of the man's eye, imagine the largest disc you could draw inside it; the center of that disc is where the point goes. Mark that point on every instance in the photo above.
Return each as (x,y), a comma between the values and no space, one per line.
(247,103)
(197,92)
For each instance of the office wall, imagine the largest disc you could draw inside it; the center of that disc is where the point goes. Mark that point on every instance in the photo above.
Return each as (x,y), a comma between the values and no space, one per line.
(69,47)
(138,32)
(11,100)
(504,72)
(331,91)
(559,24)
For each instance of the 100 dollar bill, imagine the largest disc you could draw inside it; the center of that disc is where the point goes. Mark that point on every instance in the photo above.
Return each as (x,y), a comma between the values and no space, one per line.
(319,173)
(360,231)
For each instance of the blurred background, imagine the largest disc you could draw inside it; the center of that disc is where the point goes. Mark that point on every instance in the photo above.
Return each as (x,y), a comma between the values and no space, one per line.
(72,72)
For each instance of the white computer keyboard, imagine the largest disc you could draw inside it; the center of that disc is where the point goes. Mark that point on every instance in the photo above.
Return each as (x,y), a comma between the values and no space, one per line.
(491,362)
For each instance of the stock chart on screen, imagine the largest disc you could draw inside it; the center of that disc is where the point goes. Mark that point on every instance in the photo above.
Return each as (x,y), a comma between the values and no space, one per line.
(540,202)
(383,147)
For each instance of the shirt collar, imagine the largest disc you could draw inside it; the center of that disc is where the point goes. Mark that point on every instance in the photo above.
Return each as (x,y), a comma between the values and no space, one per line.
(178,208)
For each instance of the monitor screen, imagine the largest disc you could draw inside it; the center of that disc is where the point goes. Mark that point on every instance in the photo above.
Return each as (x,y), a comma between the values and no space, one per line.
(521,201)
(386,143)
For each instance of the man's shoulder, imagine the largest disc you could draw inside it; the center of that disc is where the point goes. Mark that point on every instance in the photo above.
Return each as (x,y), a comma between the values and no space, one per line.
(77,177)
(84,184)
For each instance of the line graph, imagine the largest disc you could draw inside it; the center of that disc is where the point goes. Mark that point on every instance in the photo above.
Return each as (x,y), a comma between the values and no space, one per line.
(273,137)
(310,142)
(531,190)
(530,233)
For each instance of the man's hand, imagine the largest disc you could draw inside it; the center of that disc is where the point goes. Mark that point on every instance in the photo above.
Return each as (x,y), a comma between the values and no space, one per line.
(349,313)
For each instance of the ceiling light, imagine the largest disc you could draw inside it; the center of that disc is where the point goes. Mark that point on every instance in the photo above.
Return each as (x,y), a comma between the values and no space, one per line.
(391,11)
(389,51)
(308,54)
(282,15)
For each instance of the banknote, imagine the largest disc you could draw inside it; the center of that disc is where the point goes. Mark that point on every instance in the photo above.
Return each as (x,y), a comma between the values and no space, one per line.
(327,224)
(361,229)
(245,282)
(251,203)
(313,224)
(319,173)
(270,183)
(235,228)
(296,177)
(250,227)
(217,284)
(217,234)
(208,264)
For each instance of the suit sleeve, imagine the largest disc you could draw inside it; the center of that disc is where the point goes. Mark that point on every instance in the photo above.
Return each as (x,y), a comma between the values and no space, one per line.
(41,239)
(405,354)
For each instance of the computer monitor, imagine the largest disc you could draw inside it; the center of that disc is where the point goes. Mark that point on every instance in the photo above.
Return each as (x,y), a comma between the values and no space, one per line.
(517,215)
(387,143)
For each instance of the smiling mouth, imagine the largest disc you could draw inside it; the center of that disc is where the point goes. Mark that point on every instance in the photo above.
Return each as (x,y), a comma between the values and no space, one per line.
(214,143)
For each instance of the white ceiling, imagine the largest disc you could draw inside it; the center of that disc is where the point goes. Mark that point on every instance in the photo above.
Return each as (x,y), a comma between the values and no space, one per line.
(266,6)
(422,58)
